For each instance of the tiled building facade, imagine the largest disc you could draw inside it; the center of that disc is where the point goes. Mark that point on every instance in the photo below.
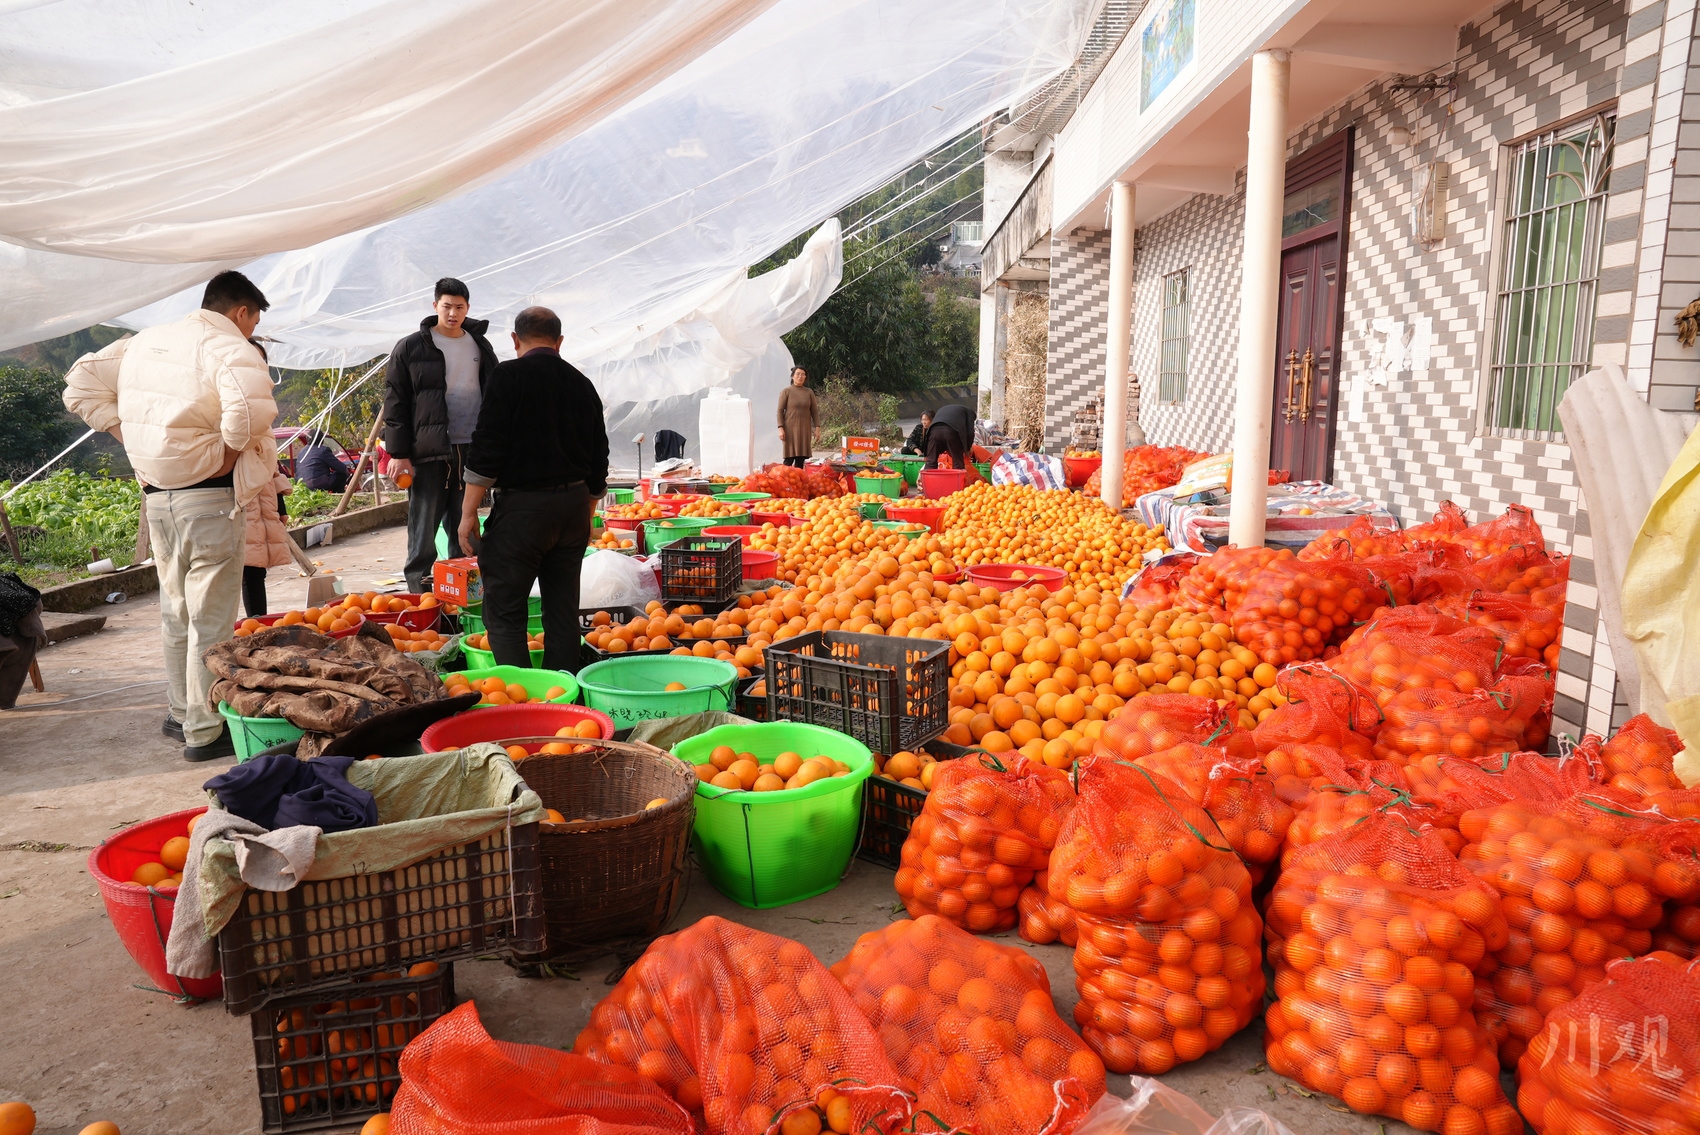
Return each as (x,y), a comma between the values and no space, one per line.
(1415,436)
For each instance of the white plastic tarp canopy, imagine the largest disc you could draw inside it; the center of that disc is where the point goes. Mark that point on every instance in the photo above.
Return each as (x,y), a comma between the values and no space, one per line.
(164,132)
(639,220)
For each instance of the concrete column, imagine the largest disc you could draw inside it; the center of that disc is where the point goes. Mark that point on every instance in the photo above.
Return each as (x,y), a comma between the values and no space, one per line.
(1117,339)
(1260,287)
(988,345)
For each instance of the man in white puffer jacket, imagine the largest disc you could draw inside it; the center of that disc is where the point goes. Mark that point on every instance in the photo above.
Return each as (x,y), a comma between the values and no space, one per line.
(192,404)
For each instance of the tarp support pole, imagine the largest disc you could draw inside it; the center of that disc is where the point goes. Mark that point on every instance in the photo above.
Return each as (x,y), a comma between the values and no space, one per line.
(1118,338)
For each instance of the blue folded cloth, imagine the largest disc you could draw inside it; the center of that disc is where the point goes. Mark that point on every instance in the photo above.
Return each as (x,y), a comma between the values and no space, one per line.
(278,791)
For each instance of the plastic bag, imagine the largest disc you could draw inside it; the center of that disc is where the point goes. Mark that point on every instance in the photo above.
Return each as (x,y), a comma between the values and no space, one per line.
(972,1029)
(1292,610)
(456,1078)
(744,1029)
(1155,1108)
(1043,919)
(1156,890)
(1322,708)
(1426,722)
(609,579)
(1621,1057)
(1580,882)
(1373,934)
(987,825)
(1414,647)
(1219,580)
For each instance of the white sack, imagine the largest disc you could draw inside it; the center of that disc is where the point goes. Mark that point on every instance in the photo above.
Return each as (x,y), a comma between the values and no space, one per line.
(157,131)
(612,579)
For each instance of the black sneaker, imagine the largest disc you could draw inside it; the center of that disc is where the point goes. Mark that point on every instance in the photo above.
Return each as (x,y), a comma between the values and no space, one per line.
(220,746)
(172,728)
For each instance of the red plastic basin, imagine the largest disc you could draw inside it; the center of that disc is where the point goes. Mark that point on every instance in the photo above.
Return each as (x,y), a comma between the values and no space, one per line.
(932,515)
(422,619)
(142,915)
(500,722)
(1080,469)
(760,565)
(728,531)
(939,483)
(1002,576)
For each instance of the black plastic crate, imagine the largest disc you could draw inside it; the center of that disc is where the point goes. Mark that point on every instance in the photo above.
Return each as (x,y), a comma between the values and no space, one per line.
(752,706)
(702,569)
(329,1059)
(482,896)
(623,615)
(888,693)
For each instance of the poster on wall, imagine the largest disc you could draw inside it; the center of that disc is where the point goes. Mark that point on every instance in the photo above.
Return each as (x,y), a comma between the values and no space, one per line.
(1165,48)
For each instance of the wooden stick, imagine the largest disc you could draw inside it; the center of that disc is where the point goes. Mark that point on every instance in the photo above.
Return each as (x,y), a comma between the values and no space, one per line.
(35,677)
(360,466)
(11,537)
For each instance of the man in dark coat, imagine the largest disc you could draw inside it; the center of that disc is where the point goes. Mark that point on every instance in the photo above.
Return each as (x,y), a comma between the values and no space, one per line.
(433,390)
(952,432)
(542,444)
(320,467)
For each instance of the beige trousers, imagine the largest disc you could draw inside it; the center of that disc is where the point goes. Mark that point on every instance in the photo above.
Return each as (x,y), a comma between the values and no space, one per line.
(197,539)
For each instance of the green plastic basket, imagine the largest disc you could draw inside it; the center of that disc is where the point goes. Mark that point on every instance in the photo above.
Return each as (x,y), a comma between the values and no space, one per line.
(886,486)
(871,510)
(898,526)
(910,467)
(472,623)
(766,849)
(985,468)
(486,660)
(633,689)
(254,735)
(533,607)
(657,534)
(623,496)
(739,498)
(536,681)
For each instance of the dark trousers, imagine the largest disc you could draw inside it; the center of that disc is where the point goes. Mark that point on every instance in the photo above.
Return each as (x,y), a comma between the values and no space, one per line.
(433,502)
(531,538)
(254,591)
(796,462)
(941,439)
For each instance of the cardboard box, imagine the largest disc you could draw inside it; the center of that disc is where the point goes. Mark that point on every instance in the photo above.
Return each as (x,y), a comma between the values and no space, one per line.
(865,445)
(457,581)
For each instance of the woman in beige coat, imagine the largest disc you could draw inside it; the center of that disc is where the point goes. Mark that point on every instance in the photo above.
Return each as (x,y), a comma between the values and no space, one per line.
(798,418)
(266,533)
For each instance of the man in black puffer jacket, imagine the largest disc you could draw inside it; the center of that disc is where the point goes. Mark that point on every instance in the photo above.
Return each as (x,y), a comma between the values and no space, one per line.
(433,390)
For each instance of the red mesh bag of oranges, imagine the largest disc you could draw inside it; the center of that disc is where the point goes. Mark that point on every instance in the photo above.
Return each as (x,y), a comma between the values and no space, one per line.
(1620,1059)
(1353,793)
(1293,610)
(1322,708)
(1418,647)
(1156,586)
(1044,919)
(1362,536)
(988,824)
(1640,757)
(1487,721)
(1516,529)
(1157,722)
(1580,882)
(1525,628)
(456,1077)
(1219,581)
(971,1026)
(750,1034)
(1166,961)
(1374,933)
(1236,793)
(1522,570)
(1456,786)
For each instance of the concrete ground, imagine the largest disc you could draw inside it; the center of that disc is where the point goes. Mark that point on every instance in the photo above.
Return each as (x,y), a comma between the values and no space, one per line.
(87,1040)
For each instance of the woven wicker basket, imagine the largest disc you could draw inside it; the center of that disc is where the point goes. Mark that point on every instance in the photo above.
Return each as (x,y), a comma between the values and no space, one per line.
(616,873)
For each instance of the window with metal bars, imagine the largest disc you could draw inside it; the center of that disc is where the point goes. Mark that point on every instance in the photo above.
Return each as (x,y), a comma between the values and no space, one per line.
(1549,273)
(1171,380)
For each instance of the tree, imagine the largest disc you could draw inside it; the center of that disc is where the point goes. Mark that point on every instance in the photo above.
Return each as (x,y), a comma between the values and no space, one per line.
(33,422)
(873,333)
(954,337)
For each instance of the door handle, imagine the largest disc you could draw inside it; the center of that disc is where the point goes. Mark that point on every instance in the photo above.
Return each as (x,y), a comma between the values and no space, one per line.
(1309,372)
(1292,371)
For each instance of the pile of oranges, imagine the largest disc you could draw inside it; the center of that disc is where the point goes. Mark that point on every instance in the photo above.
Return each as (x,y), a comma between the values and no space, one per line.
(378,604)
(412,642)
(640,510)
(835,538)
(167,870)
(912,770)
(496,691)
(1005,524)
(613,541)
(709,506)
(481,641)
(727,768)
(344,616)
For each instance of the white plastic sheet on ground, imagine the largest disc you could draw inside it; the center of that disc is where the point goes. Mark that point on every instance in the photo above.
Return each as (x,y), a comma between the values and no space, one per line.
(639,221)
(163,132)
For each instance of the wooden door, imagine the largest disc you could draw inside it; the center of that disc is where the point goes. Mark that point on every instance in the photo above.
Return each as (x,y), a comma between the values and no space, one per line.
(1314,216)
(1306,347)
